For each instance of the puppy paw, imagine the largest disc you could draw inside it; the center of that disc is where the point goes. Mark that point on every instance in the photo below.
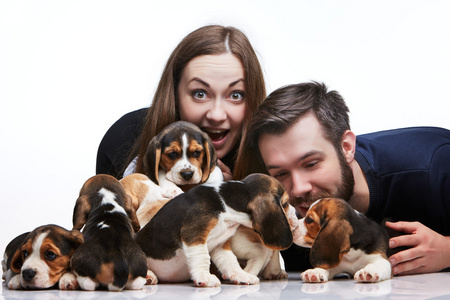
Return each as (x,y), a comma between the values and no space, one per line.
(316,275)
(68,282)
(151,278)
(207,280)
(367,274)
(171,193)
(242,277)
(282,274)
(14,283)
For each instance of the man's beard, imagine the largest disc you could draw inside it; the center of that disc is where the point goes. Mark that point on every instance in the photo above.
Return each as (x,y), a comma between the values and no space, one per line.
(344,191)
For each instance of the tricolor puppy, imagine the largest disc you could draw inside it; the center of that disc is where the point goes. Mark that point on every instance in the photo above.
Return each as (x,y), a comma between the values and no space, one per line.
(343,240)
(40,259)
(146,196)
(180,156)
(195,227)
(260,260)
(109,257)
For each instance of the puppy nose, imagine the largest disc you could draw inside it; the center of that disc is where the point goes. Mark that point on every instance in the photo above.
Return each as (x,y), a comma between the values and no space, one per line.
(187,175)
(28,274)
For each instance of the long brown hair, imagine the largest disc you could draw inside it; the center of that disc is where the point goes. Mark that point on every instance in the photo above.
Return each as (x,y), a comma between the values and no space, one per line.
(207,40)
(281,109)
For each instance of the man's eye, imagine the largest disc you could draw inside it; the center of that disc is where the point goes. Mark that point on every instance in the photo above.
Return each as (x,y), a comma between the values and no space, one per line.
(311,164)
(280,175)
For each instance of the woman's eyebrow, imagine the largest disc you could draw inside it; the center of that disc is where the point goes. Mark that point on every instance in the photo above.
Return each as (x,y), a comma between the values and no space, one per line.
(235,82)
(200,81)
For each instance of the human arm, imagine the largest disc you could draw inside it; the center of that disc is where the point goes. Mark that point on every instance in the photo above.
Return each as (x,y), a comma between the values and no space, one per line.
(429,252)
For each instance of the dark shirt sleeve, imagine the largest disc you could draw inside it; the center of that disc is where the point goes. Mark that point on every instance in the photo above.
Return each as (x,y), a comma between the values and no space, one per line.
(117,143)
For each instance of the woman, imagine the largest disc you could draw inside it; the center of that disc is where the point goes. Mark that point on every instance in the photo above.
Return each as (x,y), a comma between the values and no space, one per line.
(212,79)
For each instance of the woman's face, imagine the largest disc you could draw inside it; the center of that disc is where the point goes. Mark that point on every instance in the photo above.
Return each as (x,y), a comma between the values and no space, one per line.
(211,94)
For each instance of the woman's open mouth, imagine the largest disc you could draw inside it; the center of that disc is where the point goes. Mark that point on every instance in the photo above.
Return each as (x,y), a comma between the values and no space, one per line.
(216,135)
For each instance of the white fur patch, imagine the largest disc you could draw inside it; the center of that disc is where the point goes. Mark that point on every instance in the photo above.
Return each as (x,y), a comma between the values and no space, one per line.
(102,225)
(34,261)
(110,198)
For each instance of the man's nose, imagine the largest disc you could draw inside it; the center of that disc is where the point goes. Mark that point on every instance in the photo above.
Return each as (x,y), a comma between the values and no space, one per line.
(301,185)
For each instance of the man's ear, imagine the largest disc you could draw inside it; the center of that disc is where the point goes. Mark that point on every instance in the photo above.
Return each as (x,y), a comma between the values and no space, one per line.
(349,145)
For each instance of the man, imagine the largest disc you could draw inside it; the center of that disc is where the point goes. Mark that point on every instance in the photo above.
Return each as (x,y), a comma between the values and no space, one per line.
(301,134)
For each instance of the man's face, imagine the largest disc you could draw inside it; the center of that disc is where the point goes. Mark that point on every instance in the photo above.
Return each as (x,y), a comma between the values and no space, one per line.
(306,164)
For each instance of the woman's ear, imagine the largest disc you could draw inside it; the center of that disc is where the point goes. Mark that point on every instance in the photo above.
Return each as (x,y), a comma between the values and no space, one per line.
(349,145)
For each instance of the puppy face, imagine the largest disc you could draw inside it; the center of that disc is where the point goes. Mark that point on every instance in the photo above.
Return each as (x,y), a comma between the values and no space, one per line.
(269,209)
(183,151)
(326,230)
(44,256)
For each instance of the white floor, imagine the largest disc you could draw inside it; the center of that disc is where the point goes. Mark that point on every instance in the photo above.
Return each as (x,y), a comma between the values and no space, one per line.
(406,287)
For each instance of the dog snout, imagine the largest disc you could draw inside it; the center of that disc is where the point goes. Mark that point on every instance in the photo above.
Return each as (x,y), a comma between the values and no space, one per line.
(28,274)
(187,175)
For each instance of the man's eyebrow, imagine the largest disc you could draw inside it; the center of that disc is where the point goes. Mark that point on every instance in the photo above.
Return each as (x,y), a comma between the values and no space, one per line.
(303,157)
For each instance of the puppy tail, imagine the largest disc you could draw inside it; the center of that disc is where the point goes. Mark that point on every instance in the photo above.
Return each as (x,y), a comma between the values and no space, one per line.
(121,272)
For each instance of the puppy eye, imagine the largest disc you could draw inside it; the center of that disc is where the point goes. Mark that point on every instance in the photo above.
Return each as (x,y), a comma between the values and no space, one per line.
(24,253)
(308,220)
(50,255)
(196,154)
(172,155)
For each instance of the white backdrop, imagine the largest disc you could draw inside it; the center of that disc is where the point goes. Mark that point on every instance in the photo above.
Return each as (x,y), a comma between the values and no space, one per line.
(69,69)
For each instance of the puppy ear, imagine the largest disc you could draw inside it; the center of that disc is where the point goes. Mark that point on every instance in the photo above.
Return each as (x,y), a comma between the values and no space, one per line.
(75,237)
(17,260)
(331,243)
(131,212)
(81,212)
(270,222)
(152,159)
(210,157)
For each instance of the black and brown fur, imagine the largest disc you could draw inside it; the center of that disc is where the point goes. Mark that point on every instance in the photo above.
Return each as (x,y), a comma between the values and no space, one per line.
(109,257)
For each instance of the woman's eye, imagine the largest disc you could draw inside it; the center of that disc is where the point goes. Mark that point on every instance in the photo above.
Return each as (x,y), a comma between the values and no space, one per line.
(199,94)
(237,96)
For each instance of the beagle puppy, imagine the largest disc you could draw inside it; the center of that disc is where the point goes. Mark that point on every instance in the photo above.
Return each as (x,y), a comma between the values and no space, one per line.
(109,256)
(147,197)
(343,240)
(40,259)
(259,259)
(181,156)
(195,227)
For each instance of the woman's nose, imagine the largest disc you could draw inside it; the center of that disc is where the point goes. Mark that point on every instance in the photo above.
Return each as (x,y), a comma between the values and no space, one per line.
(216,112)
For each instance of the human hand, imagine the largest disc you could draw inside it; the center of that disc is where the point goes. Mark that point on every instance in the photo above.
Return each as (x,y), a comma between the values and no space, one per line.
(227,175)
(429,252)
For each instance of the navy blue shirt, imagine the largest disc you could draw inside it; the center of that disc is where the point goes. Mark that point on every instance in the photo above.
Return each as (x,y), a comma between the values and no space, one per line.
(408,173)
